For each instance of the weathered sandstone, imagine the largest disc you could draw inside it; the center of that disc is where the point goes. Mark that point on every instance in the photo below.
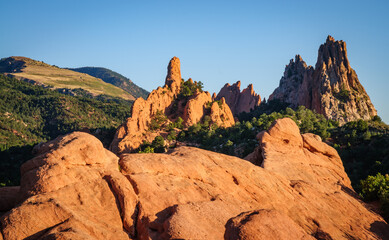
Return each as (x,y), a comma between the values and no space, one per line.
(74,190)
(131,134)
(331,88)
(239,101)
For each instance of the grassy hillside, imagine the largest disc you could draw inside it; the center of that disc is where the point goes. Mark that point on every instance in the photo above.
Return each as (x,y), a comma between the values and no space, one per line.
(48,75)
(114,78)
(30,114)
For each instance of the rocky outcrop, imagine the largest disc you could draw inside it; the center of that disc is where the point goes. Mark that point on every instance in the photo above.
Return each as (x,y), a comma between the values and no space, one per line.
(331,88)
(74,190)
(131,134)
(239,101)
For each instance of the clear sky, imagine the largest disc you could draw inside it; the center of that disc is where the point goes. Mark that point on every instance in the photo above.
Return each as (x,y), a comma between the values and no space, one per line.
(217,41)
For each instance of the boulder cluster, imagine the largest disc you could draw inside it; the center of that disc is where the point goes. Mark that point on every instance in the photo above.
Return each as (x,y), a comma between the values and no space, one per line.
(76,189)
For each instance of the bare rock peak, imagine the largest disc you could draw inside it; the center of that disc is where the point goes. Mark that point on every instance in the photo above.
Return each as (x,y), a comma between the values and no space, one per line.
(173,78)
(239,101)
(333,52)
(237,84)
(131,134)
(330,39)
(321,88)
(298,58)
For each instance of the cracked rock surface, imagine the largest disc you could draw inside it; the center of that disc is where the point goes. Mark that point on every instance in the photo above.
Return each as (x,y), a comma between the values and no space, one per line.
(76,189)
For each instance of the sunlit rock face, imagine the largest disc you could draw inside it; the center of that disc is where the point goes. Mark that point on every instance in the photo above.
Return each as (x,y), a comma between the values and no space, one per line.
(238,101)
(331,88)
(76,189)
(132,133)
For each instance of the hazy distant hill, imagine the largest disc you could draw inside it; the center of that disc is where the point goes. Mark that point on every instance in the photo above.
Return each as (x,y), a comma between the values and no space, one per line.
(114,78)
(44,74)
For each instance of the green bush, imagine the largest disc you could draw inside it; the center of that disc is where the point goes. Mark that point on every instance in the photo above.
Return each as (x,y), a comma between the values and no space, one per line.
(158,144)
(157,121)
(148,149)
(375,187)
(343,95)
(188,88)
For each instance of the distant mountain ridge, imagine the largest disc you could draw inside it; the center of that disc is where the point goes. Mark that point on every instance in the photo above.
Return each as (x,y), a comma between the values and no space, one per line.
(40,73)
(114,78)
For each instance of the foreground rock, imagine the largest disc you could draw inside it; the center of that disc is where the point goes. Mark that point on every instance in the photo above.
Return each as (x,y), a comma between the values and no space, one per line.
(239,102)
(72,190)
(164,101)
(300,192)
(331,88)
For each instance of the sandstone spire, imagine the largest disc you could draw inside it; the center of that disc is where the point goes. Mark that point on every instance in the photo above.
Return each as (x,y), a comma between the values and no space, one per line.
(331,88)
(131,134)
(239,101)
(173,77)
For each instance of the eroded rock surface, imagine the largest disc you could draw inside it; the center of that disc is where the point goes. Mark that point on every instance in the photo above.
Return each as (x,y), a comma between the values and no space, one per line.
(331,88)
(73,190)
(131,134)
(239,101)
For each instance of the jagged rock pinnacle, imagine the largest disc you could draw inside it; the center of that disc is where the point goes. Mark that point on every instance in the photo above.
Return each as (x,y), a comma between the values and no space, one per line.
(331,88)
(239,101)
(173,78)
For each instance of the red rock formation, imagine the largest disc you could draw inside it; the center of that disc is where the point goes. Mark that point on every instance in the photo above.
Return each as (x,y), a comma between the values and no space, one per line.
(239,101)
(331,88)
(266,224)
(131,134)
(8,198)
(74,190)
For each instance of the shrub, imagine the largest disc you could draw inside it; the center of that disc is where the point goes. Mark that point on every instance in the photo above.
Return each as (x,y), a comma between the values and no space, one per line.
(157,121)
(148,149)
(158,144)
(343,95)
(375,187)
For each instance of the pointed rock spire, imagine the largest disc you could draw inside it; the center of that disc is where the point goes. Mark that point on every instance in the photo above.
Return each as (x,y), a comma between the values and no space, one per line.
(331,88)
(173,78)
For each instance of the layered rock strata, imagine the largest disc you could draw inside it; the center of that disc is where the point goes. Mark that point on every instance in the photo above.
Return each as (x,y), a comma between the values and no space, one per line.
(75,190)
(331,88)
(239,101)
(131,134)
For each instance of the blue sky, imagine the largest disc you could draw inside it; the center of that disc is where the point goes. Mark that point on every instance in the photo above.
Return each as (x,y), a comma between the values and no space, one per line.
(217,41)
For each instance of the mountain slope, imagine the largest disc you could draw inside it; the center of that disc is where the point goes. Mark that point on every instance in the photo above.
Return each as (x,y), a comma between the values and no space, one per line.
(114,78)
(48,75)
(331,88)
(30,114)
